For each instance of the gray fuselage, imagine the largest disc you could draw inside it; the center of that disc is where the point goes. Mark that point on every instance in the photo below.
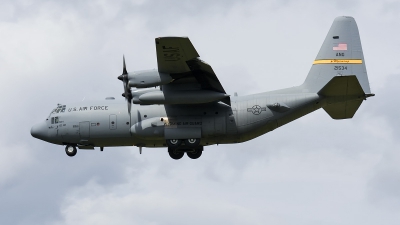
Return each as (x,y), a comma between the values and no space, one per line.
(108,123)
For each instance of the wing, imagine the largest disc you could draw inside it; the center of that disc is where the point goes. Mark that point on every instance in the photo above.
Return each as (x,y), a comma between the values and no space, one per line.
(177,57)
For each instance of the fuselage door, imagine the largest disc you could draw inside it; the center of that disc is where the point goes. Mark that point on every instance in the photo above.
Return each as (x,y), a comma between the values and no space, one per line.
(84,130)
(113,122)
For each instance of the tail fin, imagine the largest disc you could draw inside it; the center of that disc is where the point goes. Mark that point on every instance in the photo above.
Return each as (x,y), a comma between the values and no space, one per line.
(339,72)
(340,55)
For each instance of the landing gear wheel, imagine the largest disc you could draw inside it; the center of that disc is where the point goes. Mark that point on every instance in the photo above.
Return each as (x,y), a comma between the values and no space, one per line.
(192,142)
(194,153)
(174,143)
(70,150)
(175,154)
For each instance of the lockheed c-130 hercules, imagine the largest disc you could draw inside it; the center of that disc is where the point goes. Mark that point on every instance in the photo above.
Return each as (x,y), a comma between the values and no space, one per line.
(190,109)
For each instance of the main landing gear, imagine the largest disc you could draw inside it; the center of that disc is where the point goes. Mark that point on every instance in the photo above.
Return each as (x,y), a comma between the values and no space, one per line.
(194,153)
(191,147)
(175,153)
(70,150)
(174,143)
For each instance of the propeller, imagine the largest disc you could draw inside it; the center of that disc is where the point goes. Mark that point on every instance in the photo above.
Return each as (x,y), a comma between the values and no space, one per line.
(127,90)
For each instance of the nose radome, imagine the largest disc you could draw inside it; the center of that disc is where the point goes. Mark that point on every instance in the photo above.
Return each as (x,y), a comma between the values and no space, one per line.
(39,131)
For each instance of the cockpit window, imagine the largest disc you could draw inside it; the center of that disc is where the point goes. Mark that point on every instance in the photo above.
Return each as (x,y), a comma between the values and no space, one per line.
(54,120)
(59,109)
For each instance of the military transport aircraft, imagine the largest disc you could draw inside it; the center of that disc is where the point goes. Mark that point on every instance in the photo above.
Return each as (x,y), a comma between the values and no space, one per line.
(190,109)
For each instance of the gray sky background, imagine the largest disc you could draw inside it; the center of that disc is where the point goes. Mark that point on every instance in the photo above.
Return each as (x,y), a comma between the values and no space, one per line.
(312,171)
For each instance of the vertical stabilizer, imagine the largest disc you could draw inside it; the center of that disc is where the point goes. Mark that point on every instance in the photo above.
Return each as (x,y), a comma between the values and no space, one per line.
(340,55)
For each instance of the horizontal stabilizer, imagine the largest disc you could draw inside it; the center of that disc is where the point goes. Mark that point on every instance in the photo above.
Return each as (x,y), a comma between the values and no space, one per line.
(345,96)
(343,110)
(342,86)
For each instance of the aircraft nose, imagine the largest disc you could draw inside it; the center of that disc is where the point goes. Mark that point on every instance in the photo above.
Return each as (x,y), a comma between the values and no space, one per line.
(39,131)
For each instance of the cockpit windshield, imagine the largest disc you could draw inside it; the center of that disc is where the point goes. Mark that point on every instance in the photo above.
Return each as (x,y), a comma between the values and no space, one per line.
(60,109)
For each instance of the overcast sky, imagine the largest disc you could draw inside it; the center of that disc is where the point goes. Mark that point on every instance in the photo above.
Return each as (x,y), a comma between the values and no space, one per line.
(312,171)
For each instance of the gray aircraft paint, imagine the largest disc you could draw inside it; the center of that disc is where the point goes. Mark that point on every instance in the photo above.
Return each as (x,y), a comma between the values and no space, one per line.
(337,82)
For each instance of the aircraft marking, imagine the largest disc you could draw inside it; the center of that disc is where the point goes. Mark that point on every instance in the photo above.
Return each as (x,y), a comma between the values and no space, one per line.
(256,109)
(338,61)
(340,47)
(171,53)
(340,68)
(103,107)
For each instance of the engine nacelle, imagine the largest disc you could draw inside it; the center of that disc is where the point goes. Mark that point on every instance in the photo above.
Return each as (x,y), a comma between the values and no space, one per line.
(148,78)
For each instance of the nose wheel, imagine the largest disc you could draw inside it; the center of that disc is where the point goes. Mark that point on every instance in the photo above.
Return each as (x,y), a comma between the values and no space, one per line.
(70,150)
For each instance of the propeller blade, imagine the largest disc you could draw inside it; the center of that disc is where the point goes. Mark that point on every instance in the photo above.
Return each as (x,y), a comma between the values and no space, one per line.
(124,69)
(127,90)
(129,107)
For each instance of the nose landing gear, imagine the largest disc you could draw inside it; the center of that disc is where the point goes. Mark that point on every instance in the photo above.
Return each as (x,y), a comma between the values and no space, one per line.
(70,150)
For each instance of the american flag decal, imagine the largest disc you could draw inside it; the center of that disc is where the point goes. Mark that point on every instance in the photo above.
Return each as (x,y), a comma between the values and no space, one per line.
(340,47)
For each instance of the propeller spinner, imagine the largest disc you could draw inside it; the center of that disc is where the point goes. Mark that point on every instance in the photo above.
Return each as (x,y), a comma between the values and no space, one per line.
(127,90)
